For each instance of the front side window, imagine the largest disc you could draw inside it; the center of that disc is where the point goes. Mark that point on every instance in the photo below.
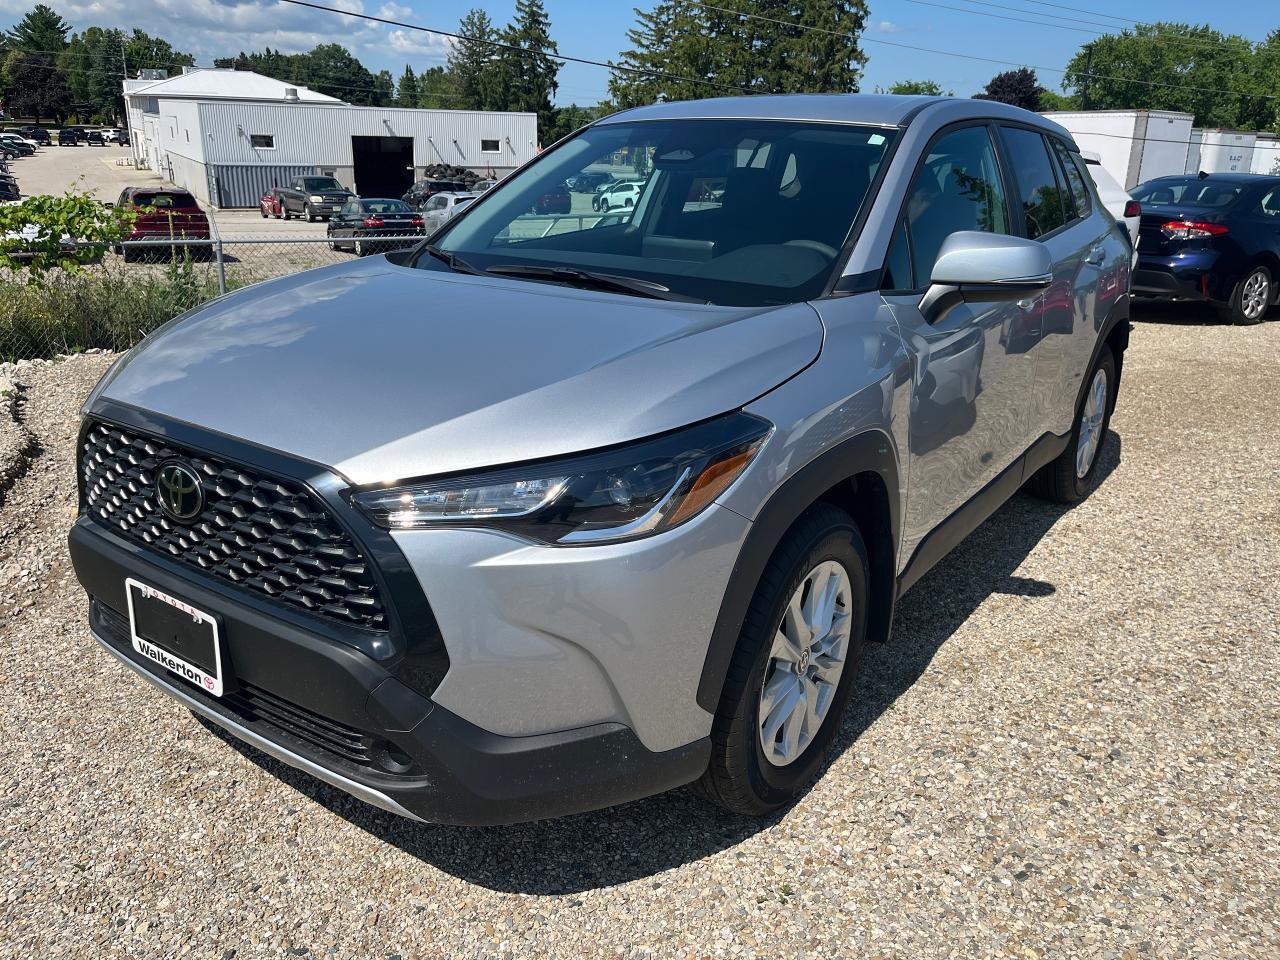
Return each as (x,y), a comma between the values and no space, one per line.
(314,184)
(742,212)
(958,187)
(1042,209)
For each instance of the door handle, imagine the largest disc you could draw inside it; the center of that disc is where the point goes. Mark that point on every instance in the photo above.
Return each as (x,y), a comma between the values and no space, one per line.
(1095,256)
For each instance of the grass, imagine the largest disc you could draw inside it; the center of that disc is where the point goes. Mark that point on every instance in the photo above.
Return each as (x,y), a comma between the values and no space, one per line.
(73,312)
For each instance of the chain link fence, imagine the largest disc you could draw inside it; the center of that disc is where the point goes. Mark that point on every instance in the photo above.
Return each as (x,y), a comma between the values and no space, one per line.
(127,290)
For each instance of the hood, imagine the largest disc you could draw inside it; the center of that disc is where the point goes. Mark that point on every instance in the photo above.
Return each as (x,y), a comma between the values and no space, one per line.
(384,372)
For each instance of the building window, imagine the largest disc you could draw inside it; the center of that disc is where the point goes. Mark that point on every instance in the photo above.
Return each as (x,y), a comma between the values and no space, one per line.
(490,146)
(262,141)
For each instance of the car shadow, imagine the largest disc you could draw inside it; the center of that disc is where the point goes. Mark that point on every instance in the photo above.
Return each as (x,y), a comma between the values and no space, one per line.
(647,837)
(1183,313)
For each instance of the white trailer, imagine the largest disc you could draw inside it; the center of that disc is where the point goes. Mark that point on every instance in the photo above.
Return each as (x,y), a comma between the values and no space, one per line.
(1133,145)
(1224,151)
(1266,155)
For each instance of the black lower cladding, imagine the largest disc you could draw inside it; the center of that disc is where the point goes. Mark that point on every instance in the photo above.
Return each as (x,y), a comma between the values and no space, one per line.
(346,711)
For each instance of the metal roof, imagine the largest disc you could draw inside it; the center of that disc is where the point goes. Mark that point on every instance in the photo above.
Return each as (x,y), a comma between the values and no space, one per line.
(213,84)
(875,109)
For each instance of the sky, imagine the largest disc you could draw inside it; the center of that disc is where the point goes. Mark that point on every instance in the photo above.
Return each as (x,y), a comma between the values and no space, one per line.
(960,38)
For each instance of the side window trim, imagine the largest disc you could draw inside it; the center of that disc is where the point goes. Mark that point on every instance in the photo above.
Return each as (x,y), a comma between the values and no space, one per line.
(900,219)
(1053,165)
(1066,156)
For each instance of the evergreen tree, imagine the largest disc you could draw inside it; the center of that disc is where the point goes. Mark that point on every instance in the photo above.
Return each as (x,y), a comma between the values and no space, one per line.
(528,72)
(471,65)
(41,31)
(35,87)
(407,91)
(435,90)
(385,89)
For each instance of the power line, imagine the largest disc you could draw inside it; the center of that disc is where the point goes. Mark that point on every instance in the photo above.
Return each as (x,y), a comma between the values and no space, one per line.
(970,56)
(512,48)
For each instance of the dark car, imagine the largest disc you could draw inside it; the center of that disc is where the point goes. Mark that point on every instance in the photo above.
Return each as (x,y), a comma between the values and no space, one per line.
(1211,237)
(424,190)
(68,137)
(164,214)
(38,134)
(95,139)
(374,224)
(588,181)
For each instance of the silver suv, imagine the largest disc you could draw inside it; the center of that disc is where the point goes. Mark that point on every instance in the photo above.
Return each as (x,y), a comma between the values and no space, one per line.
(558,511)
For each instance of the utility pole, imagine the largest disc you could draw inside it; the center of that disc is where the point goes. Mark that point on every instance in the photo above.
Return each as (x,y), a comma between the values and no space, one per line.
(1088,74)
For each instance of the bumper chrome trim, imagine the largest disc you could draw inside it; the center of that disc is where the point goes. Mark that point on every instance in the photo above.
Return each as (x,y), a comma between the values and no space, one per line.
(357,790)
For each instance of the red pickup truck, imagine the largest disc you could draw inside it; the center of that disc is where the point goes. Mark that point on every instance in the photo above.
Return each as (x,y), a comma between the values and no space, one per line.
(164,214)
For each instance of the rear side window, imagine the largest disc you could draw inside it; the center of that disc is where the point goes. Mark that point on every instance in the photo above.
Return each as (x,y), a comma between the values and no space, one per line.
(1038,191)
(1077,191)
(958,187)
(1269,206)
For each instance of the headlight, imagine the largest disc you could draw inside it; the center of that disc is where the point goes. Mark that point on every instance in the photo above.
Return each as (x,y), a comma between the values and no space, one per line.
(618,494)
(316,199)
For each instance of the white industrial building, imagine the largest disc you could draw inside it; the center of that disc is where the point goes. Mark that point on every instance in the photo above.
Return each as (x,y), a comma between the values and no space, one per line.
(229,135)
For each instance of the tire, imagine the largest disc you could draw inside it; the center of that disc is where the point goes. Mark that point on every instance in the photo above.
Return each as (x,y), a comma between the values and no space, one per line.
(1062,480)
(1251,298)
(264,213)
(604,206)
(287,214)
(743,775)
(307,212)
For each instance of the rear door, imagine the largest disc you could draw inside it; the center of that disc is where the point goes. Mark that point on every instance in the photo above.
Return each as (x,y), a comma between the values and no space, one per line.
(973,375)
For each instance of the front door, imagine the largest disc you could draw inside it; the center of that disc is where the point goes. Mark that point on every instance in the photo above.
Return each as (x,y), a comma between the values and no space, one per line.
(974,366)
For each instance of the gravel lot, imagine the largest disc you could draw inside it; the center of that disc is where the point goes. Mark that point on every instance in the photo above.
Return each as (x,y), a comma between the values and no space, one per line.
(1068,750)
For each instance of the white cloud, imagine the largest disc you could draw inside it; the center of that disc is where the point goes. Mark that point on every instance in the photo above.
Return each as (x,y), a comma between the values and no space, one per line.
(394,11)
(429,46)
(887,26)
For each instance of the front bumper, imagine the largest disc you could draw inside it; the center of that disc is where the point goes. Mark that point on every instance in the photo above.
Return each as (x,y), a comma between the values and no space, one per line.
(341,715)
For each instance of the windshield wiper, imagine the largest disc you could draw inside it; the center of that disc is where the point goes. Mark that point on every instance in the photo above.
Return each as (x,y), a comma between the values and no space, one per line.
(595,281)
(452,260)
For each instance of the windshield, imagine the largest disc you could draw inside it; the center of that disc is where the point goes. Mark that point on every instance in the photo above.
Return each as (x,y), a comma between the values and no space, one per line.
(740,212)
(320,183)
(1189,191)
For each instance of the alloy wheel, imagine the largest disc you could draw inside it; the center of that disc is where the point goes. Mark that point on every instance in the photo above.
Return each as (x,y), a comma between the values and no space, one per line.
(1091,419)
(810,648)
(1256,295)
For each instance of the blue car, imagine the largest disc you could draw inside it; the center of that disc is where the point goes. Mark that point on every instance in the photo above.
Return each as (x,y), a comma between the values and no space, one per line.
(1211,237)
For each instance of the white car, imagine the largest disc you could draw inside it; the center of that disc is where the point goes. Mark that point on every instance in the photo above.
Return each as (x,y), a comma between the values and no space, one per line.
(20,139)
(441,207)
(1126,210)
(618,195)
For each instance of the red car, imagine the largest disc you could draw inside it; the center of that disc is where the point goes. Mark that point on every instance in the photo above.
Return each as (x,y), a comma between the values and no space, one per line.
(164,214)
(269,204)
(558,202)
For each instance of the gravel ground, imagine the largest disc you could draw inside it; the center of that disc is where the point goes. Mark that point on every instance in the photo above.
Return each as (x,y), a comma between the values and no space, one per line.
(1068,750)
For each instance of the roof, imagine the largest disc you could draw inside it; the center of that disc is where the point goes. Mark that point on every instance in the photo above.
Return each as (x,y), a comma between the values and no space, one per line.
(872,109)
(1221,177)
(213,84)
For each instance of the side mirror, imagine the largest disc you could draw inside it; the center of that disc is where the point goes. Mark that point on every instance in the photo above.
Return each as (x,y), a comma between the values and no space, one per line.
(977,267)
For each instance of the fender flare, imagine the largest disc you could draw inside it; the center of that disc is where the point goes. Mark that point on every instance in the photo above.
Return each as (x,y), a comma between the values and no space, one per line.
(872,452)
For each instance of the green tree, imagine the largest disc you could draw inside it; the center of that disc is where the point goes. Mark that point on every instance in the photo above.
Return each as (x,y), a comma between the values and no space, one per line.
(35,87)
(573,117)
(385,89)
(1017,87)
(41,31)
(407,89)
(435,90)
(764,46)
(471,63)
(924,88)
(1169,66)
(1050,100)
(526,69)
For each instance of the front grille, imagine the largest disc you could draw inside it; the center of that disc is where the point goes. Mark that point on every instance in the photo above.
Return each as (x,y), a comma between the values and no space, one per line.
(266,535)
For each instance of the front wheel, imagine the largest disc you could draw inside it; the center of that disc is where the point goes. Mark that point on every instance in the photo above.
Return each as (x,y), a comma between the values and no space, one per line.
(311,216)
(360,248)
(1074,474)
(793,668)
(1250,298)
